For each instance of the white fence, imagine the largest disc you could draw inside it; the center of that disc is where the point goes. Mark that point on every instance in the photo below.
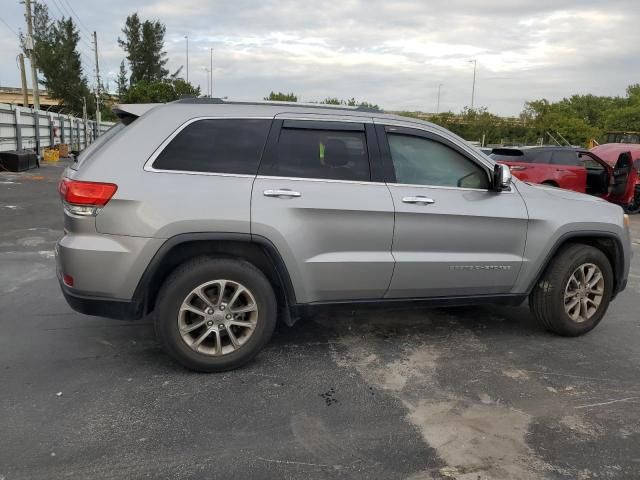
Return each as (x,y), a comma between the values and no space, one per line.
(26,128)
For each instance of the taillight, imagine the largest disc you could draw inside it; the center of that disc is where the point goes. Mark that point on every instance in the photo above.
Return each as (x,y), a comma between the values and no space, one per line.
(84,198)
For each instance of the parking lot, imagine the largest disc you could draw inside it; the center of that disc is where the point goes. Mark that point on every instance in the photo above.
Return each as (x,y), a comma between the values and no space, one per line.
(464,393)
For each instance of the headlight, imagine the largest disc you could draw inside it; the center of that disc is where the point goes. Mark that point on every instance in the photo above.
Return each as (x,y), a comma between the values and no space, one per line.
(626,221)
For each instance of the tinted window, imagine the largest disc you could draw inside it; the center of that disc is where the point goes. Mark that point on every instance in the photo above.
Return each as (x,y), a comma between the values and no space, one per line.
(510,158)
(327,154)
(538,156)
(564,157)
(220,146)
(421,161)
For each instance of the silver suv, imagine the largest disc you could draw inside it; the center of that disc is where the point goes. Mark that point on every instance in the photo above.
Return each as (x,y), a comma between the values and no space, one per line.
(220,218)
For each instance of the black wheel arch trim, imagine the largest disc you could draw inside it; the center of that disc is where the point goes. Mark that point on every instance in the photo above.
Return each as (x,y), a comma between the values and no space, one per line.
(618,266)
(141,293)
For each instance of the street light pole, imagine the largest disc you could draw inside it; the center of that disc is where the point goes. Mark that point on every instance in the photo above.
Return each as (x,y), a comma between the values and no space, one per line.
(208,83)
(211,73)
(187,39)
(473,89)
(438,107)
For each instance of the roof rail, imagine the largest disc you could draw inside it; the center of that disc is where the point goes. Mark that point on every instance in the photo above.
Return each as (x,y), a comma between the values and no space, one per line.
(221,101)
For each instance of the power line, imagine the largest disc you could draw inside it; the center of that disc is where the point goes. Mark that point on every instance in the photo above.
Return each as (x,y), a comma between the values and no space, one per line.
(77,17)
(66,14)
(85,57)
(9,27)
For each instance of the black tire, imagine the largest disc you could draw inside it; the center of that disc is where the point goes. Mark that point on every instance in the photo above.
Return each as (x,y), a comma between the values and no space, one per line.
(635,206)
(547,298)
(549,183)
(197,272)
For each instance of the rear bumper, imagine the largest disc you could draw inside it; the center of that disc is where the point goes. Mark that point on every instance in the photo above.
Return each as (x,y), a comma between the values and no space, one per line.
(102,307)
(92,302)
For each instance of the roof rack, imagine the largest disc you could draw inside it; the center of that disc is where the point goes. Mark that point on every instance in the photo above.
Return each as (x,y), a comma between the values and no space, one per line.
(221,101)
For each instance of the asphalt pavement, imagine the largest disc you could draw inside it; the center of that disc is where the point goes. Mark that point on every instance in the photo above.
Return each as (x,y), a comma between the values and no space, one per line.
(464,393)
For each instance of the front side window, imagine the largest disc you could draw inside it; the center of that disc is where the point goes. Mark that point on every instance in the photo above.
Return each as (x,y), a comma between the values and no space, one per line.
(216,145)
(323,154)
(421,161)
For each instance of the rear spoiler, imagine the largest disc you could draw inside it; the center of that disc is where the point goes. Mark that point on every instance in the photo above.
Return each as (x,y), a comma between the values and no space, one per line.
(128,112)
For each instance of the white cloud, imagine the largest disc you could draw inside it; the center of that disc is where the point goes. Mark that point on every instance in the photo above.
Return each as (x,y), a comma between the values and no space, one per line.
(393,53)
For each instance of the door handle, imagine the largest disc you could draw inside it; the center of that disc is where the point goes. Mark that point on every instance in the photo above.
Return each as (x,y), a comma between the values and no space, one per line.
(282,193)
(419,199)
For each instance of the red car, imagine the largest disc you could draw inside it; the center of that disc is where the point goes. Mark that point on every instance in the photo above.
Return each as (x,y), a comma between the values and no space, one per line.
(610,152)
(574,169)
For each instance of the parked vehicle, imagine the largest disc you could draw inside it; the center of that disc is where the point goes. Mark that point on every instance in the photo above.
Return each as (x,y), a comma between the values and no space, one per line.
(573,169)
(219,218)
(610,152)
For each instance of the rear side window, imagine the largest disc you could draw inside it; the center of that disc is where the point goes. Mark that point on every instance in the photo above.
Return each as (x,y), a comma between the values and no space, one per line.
(538,156)
(498,157)
(565,157)
(216,145)
(325,154)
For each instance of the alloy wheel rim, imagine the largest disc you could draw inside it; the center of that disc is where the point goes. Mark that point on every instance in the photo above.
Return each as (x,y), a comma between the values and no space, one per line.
(584,292)
(218,317)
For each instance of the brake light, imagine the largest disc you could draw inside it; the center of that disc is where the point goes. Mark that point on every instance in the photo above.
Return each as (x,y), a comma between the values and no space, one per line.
(85,198)
(93,194)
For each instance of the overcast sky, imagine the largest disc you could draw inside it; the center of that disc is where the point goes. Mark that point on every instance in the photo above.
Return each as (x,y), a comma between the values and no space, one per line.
(393,53)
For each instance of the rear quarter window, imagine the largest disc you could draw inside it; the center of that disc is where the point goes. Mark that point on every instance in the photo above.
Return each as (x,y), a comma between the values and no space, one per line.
(565,157)
(216,146)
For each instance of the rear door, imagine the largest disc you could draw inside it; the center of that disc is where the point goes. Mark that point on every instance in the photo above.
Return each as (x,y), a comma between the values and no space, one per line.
(453,235)
(623,180)
(317,199)
(568,171)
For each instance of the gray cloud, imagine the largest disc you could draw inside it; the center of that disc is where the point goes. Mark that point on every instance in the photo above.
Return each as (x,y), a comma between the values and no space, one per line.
(393,53)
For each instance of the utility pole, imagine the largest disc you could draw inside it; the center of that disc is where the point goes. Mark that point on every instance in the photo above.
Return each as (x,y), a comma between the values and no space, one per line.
(84,120)
(211,74)
(187,39)
(438,107)
(28,44)
(23,77)
(28,41)
(473,89)
(98,113)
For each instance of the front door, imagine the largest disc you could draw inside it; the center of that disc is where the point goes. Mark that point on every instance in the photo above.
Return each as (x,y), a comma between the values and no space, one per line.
(453,235)
(623,181)
(315,200)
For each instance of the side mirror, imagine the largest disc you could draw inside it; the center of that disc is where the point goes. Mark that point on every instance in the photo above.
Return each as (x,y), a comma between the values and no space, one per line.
(501,177)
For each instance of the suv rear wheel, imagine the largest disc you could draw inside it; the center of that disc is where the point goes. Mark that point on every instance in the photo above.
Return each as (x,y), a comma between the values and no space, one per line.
(574,293)
(214,314)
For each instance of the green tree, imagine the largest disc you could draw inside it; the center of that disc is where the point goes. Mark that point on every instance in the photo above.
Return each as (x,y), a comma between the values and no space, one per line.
(144,45)
(57,58)
(352,102)
(159,92)
(122,81)
(281,97)
(332,101)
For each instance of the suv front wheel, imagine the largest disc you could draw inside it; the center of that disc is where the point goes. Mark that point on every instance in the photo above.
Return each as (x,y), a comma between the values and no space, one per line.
(574,292)
(214,315)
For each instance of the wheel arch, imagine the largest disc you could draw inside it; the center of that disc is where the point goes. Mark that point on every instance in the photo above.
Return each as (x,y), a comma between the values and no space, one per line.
(607,243)
(255,249)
